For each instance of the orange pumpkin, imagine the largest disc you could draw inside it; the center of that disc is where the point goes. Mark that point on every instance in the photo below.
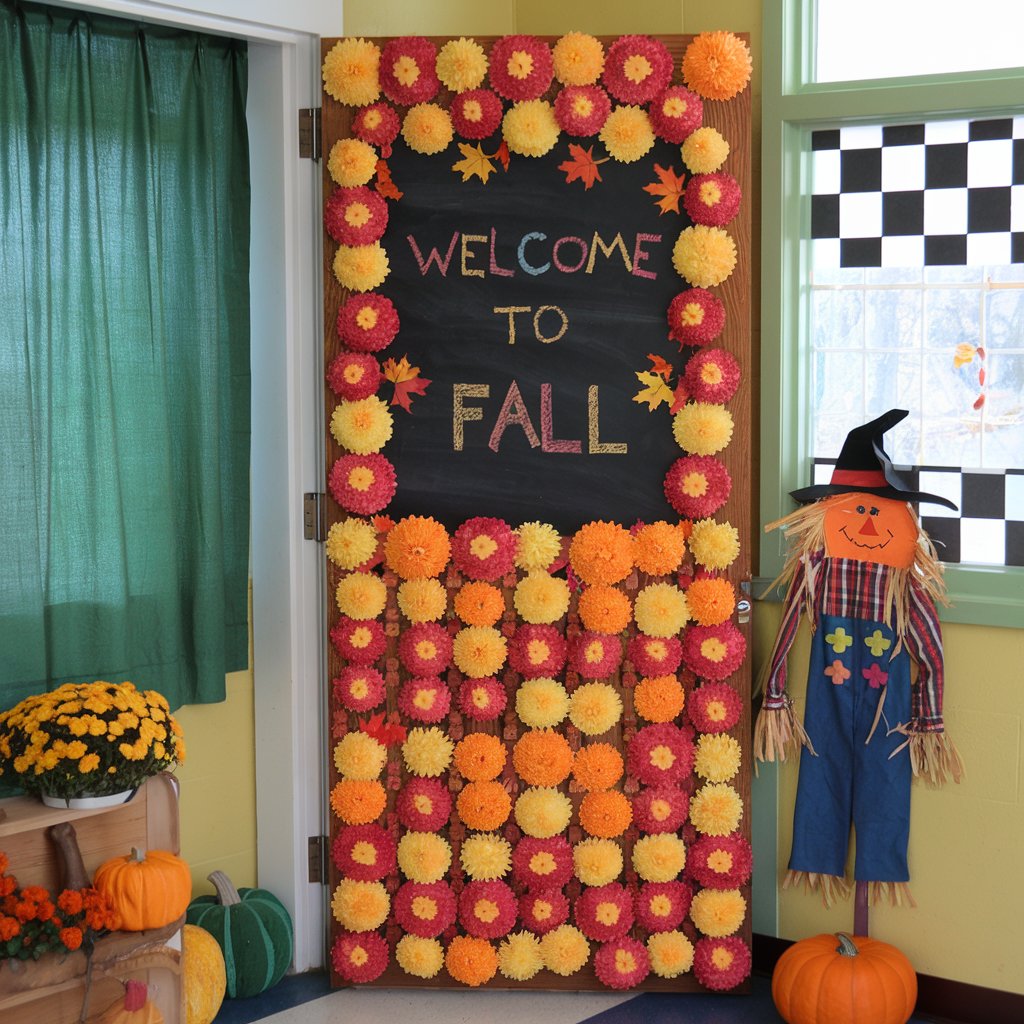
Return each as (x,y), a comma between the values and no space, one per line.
(135,1008)
(836,979)
(148,890)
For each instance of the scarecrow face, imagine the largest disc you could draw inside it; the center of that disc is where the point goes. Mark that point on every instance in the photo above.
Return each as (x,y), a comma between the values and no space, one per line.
(870,529)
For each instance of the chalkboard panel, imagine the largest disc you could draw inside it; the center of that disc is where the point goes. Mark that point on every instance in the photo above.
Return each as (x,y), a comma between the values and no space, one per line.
(463,257)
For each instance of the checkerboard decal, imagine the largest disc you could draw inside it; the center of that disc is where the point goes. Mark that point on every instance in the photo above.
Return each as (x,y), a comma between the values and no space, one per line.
(937,194)
(988,529)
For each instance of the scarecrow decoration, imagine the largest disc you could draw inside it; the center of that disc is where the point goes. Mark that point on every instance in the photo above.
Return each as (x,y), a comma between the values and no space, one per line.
(867,577)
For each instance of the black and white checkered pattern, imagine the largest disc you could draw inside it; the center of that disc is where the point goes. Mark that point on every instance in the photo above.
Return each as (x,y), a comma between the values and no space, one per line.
(988,529)
(937,194)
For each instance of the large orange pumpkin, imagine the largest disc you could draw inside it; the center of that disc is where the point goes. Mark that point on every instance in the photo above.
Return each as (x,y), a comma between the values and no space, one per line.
(836,979)
(148,890)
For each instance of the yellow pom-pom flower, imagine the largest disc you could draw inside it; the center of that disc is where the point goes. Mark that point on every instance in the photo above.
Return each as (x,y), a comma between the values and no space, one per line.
(361,595)
(361,268)
(701,428)
(714,545)
(427,752)
(424,856)
(485,856)
(360,906)
(578,59)
(540,598)
(597,861)
(705,150)
(530,128)
(542,812)
(422,600)
(351,542)
(594,708)
(716,809)
(627,134)
(519,956)
(718,912)
(565,950)
(671,954)
(537,546)
(541,703)
(427,128)
(350,72)
(359,756)
(660,610)
(419,957)
(704,256)
(461,64)
(352,162)
(717,758)
(364,426)
(659,857)
(479,651)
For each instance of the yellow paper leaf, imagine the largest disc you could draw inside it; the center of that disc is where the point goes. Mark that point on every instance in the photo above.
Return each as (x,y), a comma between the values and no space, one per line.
(475,163)
(655,392)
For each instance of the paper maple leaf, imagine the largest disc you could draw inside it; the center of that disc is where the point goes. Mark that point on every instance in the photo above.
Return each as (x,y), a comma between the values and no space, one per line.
(655,392)
(582,166)
(475,163)
(679,397)
(382,731)
(660,367)
(501,154)
(669,186)
(407,381)
(384,185)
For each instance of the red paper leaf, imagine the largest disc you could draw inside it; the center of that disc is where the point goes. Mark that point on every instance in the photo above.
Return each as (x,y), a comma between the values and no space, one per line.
(384,732)
(669,186)
(979,402)
(501,154)
(384,185)
(679,398)
(407,381)
(981,376)
(981,352)
(582,166)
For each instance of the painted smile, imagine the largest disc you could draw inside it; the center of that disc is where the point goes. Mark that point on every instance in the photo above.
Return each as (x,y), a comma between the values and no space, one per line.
(861,544)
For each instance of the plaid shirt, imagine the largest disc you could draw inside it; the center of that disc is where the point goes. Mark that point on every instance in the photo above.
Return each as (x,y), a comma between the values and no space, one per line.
(848,587)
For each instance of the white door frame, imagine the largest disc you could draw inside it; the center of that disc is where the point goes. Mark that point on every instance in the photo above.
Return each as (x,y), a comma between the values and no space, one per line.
(287,434)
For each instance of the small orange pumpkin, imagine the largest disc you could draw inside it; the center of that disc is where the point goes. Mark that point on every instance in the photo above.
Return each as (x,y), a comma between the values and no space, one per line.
(135,1008)
(836,979)
(148,890)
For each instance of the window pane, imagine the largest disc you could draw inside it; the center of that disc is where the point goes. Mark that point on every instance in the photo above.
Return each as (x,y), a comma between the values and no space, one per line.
(882,39)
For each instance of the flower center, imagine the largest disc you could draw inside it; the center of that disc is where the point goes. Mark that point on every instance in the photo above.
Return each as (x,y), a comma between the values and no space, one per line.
(537,651)
(542,863)
(360,637)
(716,711)
(711,373)
(674,106)
(713,649)
(481,698)
(607,913)
(482,546)
(660,809)
(720,861)
(542,910)
(594,652)
(373,119)
(361,478)
(520,64)
(426,649)
(423,803)
(695,485)
(662,757)
(657,650)
(625,963)
(721,958)
(367,318)
(357,214)
(583,105)
(661,905)
(637,68)
(359,688)
(472,111)
(424,907)
(353,373)
(364,853)
(406,70)
(424,699)
(358,956)
(485,910)
(692,314)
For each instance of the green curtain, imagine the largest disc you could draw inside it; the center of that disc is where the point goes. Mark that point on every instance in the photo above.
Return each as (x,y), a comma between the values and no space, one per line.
(124,355)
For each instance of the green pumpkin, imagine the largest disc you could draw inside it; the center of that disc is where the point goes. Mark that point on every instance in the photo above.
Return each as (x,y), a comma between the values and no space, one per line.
(252,928)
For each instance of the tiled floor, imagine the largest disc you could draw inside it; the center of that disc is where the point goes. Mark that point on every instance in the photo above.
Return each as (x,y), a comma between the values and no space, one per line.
(307,999)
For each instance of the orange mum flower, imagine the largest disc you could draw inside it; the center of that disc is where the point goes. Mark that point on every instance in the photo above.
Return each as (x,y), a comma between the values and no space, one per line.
(659,698)
(605,609)
(606,814)
(484,805)
(480,756)
(717,65)
(659,548)
(417,547)
(597,767)
(601,552)
(711,600)
(471,961)
(479,604)
(358,802)
(542,757)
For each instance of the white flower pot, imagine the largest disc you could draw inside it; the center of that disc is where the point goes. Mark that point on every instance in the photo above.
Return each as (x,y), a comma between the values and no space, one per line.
(87,803)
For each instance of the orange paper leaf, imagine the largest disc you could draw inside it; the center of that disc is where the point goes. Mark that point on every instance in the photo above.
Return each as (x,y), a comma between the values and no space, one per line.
(407,381)
(659,366)
(475,163)
(384,185)
(669,186)
(582,166)
(501,154)
(679,397)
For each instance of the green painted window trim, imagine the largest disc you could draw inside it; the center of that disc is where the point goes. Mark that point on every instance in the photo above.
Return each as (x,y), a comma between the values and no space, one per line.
(793,106)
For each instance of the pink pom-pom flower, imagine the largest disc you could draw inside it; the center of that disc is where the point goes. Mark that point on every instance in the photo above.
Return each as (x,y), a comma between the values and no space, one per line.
(537,650)
(425,909)
(521,67)
(660,809)
(714,652)
(595,655)
(712,199)
(622,963)
(661,906)
(407,70)
(362,484)
(714,707)
(695,317)
(660,755)
(425,649)
(636,69)
(366,853)
(487,910)
(354,376)
(712,375)
(359,642)
(425,699)
(476,113)
(355,216)
(720,862)
(367,322)
(721,964)
(423,805)
(358,688)
(484,548)
(676,113)
(582,110)
(542,863)
(482,699)
(655,656)
(377,125)
(697,486)
(542,910)
(359,957)
(604,912)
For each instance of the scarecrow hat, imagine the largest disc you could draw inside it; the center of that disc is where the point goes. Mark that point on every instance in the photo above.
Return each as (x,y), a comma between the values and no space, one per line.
(864,466)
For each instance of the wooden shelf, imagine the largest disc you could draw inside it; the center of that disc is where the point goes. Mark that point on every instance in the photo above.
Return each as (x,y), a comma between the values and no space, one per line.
(50,990)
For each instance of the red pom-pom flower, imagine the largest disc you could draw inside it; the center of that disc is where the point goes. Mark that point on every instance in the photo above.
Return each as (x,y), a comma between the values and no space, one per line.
(661,906)
(366,853)
(695,317)
(425,909)
(377,125)
(482,699)
(655,656)
(362,484)
(721,964)
(355,216)
(358,688)
(425,699)
(361,643)
(660,809)
(712,375)
(487,910)
(660,755)
(359,957)
(425,649)
(595,655)
(582,109)
(354,376)
(714,652)
(714,707)
(407,70)
(542,910)
(521,67)
(423,805)
(484,548)
(697,486)
(636,69)
(622,963)
(537,650)
(720,862)
(476,113)
(542,863)
(712,199)
(604,912)
(368,323)
(676,113)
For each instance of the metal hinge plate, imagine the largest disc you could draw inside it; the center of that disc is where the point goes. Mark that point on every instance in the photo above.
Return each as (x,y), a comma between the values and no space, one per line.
(313,516)
(317,859)
(309,133)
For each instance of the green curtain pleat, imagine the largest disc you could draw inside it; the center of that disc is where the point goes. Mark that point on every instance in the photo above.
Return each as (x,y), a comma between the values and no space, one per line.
(124,355)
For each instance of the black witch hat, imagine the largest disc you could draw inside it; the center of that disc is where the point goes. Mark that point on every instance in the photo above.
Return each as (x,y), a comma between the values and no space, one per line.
(864,466)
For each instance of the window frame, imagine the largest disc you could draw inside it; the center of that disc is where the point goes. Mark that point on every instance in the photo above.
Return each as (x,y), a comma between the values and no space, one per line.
(794,105)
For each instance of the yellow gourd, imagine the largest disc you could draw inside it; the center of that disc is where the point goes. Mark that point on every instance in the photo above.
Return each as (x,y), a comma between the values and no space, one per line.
(202,973)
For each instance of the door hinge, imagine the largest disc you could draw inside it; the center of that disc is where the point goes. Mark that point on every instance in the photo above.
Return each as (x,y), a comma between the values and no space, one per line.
(309,133)
(313,516)
(317,848)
